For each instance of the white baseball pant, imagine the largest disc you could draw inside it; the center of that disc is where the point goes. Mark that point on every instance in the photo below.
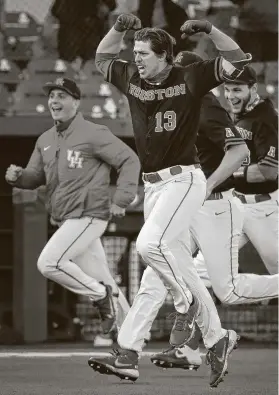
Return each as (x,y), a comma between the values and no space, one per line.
(260,220)
(152,291)
(261,228)
(169,206)
(216,229)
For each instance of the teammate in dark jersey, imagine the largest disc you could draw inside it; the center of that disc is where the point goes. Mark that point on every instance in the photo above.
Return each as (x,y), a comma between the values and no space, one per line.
(217,225)
(165,103)
(257,182)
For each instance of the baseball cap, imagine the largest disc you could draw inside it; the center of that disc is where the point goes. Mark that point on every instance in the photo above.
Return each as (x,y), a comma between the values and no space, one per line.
(247,77)
(65,84)
(185,58)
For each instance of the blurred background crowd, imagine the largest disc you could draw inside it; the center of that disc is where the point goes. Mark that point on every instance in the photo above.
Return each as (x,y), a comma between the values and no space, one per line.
(46,39)
(61,36)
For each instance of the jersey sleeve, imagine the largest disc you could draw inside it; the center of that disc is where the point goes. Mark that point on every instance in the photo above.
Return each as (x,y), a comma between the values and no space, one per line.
(266,145)
(116,71)
(202,77)
(217,124)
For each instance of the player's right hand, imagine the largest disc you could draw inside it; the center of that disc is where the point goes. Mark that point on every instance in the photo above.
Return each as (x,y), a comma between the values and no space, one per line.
(127,22)
(13,173)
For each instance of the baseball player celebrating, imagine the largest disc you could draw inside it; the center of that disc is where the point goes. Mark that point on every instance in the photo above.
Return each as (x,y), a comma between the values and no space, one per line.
(256,183)
(73,159)
(217,226)
(165,105)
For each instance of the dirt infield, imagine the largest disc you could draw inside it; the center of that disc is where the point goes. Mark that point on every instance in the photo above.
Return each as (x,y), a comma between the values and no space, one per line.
(252,371)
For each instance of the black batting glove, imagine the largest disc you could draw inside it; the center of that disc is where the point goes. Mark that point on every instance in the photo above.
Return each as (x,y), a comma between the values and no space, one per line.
(127,22)
(192,27)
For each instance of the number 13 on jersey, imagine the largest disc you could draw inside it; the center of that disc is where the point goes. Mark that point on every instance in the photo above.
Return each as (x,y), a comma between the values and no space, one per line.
(165,121)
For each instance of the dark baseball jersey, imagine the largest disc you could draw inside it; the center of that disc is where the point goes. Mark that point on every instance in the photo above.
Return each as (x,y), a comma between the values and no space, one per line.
(259,129)
(216,134)
(165,116)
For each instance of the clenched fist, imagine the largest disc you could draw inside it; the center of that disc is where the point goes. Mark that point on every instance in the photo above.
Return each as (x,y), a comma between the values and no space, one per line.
(192,27)
(13,173)
(127,22)
(117,211)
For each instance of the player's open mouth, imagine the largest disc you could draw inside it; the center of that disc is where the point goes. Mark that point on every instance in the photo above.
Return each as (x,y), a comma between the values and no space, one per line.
(140,68)
(235,102)
(56,110)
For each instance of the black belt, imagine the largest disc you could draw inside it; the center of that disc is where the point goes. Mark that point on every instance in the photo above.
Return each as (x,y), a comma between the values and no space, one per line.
(155,177)
(262,197)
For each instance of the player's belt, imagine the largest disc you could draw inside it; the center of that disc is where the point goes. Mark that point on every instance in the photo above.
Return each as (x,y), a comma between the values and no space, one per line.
(215,196)
(164,174)
(250,199)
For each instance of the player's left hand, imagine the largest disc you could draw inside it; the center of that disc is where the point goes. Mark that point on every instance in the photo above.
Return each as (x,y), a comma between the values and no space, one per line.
(117,211)
(192,27)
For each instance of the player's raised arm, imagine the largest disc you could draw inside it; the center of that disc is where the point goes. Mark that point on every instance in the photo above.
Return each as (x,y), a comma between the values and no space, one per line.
(233,60)
(32,176)
(110,45)
(225,44)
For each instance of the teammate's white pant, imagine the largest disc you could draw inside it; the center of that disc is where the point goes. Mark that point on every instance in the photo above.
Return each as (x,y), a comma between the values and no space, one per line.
(217,228)
(147,303)
(169,207)
(261,228)
(71,251)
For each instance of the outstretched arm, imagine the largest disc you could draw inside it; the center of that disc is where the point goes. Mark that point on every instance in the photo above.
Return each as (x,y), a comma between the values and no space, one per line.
(234,58)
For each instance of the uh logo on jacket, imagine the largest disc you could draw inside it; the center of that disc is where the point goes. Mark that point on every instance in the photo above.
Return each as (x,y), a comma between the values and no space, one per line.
(75,160)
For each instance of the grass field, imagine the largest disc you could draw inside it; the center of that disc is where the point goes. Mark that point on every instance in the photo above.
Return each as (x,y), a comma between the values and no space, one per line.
(50,370)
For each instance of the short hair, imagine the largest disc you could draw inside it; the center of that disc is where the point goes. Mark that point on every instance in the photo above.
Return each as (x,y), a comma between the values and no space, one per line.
(160,41)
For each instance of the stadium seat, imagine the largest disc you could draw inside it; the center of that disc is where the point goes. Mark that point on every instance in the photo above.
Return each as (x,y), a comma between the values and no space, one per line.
(20,52)
(30,105)
(45,69)
(10,74)
(96,86)
(99,107)
(21,24)
(91,86)
(29,88)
